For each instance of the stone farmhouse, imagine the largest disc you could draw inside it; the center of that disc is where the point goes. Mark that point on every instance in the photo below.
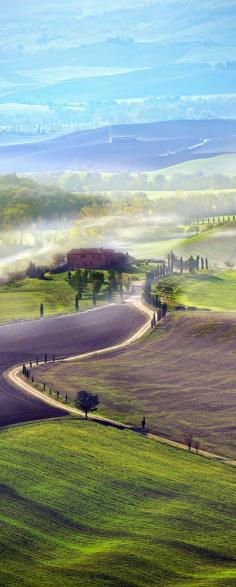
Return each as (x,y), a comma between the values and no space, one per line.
(97,259)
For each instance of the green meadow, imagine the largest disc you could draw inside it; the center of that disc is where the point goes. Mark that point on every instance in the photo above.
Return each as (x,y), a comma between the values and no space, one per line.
(92,506)
(22,298)
(223,164)
(209,290)
(217,243)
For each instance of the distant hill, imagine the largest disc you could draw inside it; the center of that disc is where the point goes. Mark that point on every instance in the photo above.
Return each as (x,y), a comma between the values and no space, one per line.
(178,79)
(223,164)
(132,147)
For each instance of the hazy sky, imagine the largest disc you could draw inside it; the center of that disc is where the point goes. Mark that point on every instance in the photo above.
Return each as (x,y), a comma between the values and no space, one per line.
(51,52)
(205,20)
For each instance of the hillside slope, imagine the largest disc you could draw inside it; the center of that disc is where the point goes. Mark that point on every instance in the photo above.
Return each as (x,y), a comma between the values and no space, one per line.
(124,147)
(218,245)
(100,507)
(168,378)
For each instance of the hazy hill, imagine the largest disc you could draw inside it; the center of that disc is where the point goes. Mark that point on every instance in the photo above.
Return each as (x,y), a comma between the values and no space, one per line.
(124,147)
(179,79)
(223,164)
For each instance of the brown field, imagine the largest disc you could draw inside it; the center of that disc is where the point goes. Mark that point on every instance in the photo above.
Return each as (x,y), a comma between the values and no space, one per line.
(181,377)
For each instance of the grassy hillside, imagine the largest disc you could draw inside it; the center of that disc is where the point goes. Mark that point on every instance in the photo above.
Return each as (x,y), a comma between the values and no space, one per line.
(94,506)
(218,244)
(182,377)
(22,298)
(225,164)
(211,290)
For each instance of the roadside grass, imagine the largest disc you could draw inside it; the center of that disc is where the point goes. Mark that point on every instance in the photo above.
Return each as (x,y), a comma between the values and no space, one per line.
(208,289)
(181,377)
(86,505)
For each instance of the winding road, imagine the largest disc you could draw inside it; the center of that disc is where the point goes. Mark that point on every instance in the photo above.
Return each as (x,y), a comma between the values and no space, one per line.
(63,336)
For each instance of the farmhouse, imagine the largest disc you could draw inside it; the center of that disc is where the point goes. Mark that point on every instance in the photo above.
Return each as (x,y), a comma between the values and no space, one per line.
(97,259)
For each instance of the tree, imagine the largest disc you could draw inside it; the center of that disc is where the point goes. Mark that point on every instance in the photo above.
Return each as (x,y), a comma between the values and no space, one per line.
(120,280)
(94,297)
(196,446)
(59,259)
(189,439)
(77,303)
(97,279)
(229,264)
(41,310)
(87,402)
(164,308)
(35,272)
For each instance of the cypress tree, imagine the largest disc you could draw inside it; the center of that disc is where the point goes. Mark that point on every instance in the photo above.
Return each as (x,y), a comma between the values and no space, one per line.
(77,303)
(94,297)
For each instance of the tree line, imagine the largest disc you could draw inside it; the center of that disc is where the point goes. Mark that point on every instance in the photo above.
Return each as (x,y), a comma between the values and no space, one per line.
(22,201)
(97,182)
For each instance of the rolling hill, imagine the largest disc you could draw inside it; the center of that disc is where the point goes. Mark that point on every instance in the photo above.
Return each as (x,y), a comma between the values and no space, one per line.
(217,244)
(92,506)
(223,164)
(132,147)
(164,375)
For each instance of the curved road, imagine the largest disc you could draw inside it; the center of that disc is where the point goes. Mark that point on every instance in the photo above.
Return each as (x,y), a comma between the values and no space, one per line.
(66,335)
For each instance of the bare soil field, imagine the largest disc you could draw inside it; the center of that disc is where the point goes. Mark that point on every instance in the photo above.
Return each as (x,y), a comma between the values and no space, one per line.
(182,377)
(63,336)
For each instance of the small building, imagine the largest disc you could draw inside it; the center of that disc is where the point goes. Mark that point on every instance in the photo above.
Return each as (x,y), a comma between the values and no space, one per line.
(97,259)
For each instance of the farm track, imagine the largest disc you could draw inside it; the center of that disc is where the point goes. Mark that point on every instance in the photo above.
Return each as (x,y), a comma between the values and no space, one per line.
(64,336)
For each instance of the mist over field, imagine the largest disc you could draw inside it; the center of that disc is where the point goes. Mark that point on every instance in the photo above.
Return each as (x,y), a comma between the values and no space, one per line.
(117,293)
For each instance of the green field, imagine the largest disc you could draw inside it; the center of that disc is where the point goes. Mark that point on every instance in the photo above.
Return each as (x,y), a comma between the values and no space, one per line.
(92,506)
(223,164)
(218,244)
(22,299)
(158,248)
(208,289)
